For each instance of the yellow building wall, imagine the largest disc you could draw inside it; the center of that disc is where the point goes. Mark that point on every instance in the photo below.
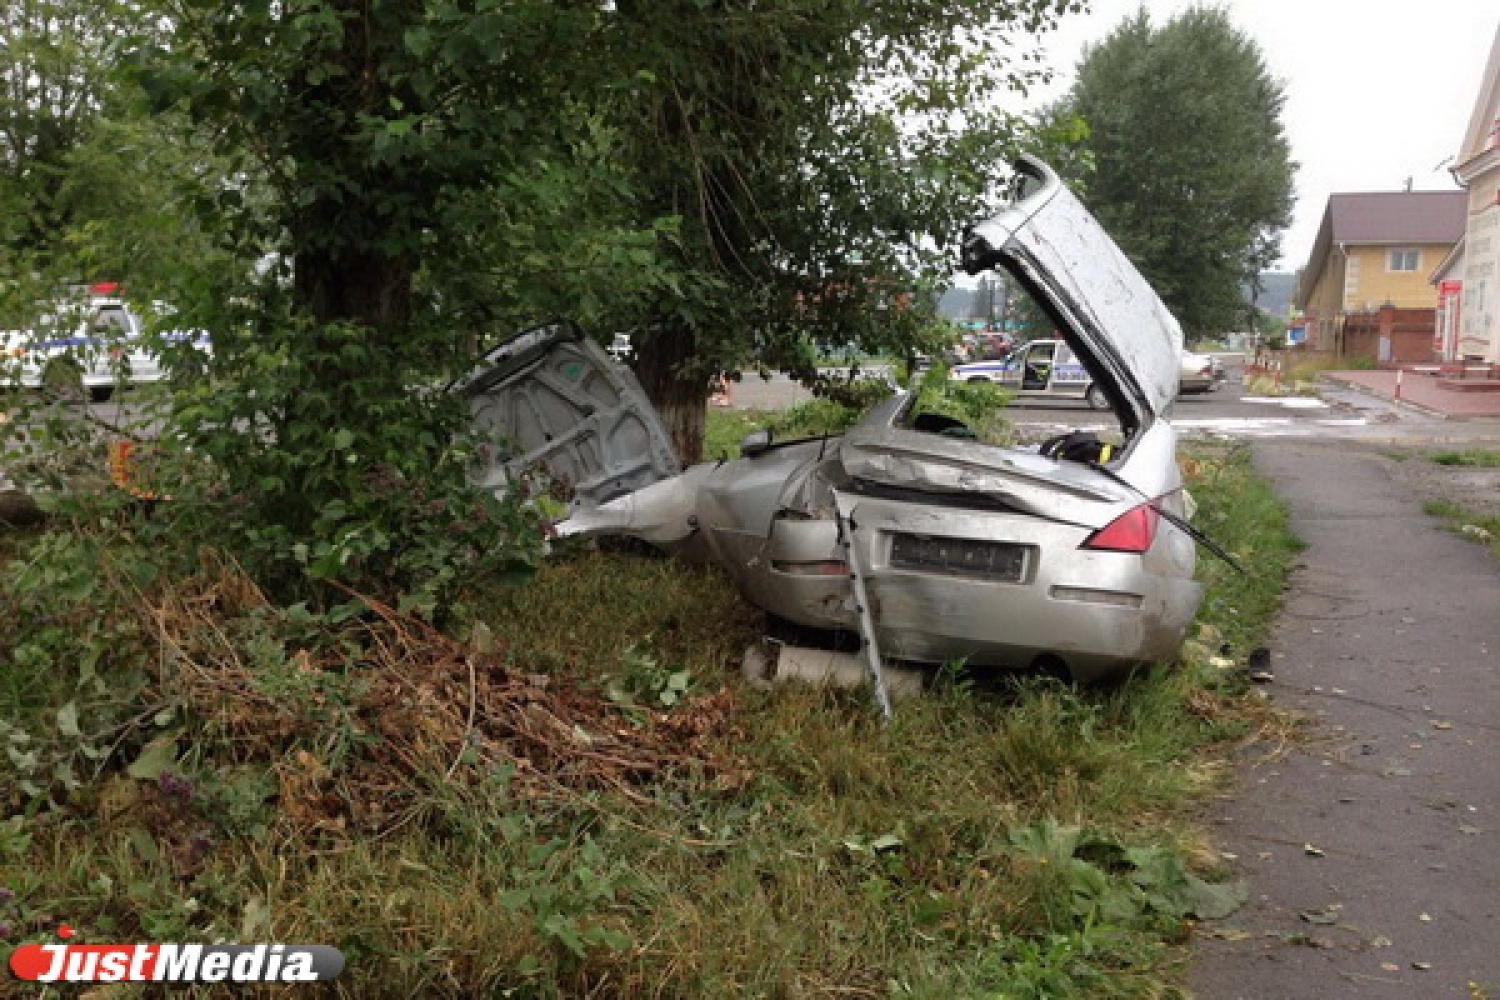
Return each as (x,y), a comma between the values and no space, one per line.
(1327,297)
(1369,282)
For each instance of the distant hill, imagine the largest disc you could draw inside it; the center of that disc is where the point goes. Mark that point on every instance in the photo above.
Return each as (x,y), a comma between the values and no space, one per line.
(1277,289)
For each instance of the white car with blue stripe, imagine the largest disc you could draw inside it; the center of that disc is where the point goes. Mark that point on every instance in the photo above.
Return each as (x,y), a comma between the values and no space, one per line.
(1041,368)
(93,344)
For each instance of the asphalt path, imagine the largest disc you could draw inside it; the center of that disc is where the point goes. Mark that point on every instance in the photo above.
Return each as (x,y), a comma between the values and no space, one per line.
(1371,849)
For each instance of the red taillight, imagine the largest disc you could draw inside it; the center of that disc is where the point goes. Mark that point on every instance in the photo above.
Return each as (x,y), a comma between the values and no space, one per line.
(1132,531)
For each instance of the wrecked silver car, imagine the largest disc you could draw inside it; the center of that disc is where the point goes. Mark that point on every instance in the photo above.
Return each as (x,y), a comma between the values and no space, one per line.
(906,531)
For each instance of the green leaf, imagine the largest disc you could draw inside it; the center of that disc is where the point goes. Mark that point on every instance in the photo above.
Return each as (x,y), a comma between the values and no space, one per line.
(157,756)
(145,847)
(67,720)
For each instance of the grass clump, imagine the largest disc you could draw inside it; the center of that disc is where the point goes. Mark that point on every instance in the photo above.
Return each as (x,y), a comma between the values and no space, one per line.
(1470,457)
(575,794)
(1482,528)
(980,405)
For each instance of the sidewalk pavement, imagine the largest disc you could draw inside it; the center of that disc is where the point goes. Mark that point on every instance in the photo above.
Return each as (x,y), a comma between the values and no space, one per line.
(1369,844)
(1422,391)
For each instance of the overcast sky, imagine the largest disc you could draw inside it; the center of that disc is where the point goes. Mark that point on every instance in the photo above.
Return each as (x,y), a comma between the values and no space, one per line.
(1377,90)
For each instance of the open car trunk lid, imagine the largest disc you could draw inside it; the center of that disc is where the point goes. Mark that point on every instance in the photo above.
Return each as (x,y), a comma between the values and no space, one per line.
(1104,308)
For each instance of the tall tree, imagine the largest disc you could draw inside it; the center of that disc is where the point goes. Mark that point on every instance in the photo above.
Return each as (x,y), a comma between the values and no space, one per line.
(360,137)
(763,175)
(821,157)
(1187,163)
(55,85)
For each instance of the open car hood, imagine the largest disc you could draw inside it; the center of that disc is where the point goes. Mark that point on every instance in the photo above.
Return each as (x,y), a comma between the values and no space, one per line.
(1104,309)
(550,396)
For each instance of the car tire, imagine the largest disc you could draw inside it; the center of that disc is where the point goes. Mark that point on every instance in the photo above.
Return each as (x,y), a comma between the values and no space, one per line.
(1096,398)
(100,393)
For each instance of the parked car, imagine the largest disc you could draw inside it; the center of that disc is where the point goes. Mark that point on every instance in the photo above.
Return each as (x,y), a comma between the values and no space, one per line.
(92,343)
(905,530)
(1040,369)
(1200,373)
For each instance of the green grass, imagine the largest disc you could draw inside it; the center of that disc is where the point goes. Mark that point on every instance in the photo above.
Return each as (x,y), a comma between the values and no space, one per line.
(1482,528)
(726,429)
(1479,457)
(1016,838)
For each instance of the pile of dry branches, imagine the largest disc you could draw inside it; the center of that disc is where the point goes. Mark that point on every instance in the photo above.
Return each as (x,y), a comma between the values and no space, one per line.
(368,722)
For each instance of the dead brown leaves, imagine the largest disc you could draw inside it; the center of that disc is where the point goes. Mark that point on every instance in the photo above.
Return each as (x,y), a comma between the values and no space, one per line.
(362,727)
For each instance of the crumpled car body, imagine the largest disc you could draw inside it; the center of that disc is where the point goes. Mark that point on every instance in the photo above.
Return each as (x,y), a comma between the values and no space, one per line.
(994,556)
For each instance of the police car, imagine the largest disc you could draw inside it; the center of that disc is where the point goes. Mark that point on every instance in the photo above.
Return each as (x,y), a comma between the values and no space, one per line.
(1040,369)
(91,342)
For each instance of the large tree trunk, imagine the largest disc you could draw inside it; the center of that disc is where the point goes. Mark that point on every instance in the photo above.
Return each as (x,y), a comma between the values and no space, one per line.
(677,387)
(363,287)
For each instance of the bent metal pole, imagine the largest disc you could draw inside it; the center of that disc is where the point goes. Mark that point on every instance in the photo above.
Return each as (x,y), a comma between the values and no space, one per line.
(845,507)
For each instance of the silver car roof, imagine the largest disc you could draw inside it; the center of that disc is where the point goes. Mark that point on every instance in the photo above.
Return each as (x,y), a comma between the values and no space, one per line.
(1106,310)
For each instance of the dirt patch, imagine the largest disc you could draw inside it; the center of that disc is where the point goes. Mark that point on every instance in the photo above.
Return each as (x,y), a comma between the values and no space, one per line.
(1475,489)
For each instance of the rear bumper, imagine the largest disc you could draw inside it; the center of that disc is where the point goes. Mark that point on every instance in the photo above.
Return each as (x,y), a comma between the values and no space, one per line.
(1096,613)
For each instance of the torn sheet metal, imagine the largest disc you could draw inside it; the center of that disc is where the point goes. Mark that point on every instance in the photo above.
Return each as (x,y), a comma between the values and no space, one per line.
(551,396)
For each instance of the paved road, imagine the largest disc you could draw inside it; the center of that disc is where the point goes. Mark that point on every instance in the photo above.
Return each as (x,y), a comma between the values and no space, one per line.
(1373,853)
(1343,413)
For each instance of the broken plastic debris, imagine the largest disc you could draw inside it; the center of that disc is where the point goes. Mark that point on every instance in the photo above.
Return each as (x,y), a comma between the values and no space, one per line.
(1326,916)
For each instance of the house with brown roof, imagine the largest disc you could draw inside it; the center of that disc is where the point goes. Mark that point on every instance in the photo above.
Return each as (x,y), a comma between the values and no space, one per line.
(1365,290)
(1470,285)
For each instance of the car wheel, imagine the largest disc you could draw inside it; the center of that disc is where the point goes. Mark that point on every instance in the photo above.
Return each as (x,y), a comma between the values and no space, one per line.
(1096,398)
(100,393)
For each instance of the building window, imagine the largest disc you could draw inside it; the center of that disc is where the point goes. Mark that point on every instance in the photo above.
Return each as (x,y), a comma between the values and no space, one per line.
(1403,260)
